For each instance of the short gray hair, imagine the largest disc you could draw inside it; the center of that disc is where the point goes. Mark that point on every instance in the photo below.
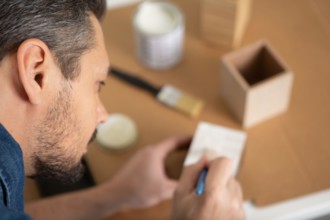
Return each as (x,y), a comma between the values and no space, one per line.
(64,25)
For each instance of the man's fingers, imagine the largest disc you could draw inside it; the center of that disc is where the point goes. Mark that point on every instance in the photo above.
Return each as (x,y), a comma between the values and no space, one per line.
(190,176)
(239,190)
(219,173)
(170,187)
(170,144)
(234,187)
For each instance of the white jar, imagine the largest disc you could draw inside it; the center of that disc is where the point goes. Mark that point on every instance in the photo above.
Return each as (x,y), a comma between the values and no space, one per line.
(159,34)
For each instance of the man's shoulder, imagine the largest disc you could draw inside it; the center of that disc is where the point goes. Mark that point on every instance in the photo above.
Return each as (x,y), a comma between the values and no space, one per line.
(11,173)
(8,214)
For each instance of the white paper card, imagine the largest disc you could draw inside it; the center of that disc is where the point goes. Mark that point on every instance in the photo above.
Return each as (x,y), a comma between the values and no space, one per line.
(216,141)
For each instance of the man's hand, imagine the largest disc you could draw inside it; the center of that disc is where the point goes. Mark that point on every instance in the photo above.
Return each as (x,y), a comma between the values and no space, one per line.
(222,197)
(143,182)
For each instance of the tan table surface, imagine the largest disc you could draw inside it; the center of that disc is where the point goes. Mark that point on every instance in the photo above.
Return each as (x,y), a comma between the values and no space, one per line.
(286,156)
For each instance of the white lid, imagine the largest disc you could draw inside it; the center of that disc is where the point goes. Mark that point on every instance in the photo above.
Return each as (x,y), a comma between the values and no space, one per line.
(156,18)
(117,132)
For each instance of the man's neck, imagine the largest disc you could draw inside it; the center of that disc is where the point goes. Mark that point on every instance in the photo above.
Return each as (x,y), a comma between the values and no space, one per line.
(14,112)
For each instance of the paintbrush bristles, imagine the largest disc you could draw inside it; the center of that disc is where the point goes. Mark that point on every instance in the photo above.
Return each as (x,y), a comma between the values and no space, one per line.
(183,102)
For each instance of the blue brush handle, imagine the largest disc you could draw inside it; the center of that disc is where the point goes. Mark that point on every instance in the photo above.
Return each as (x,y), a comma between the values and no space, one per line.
(201,182)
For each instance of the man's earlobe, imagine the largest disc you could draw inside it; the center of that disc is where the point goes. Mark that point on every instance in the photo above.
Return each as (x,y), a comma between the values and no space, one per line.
(32,68)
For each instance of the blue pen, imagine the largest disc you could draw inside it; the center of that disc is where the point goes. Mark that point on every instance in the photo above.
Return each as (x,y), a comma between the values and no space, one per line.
(201,182)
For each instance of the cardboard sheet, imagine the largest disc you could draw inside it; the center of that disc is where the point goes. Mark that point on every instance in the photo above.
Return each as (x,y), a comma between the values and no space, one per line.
(286,156)
(322,11)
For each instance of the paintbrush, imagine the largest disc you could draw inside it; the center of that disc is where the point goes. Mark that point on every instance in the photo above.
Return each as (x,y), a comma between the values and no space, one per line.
(167,94)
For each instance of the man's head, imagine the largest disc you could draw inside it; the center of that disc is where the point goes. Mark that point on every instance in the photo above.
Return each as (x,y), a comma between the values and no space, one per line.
(53,52)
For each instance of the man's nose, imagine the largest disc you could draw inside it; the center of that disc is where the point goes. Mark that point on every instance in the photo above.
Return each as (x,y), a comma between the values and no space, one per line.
(102,113)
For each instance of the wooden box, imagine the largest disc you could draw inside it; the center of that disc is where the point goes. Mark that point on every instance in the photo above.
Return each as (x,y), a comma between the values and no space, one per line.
(255,83)
(223,22)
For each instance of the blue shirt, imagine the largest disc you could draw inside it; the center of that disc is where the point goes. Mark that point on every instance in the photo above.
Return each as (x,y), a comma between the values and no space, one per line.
(11,178)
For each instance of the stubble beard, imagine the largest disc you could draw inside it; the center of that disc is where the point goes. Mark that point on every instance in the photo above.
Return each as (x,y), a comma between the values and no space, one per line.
(57,144)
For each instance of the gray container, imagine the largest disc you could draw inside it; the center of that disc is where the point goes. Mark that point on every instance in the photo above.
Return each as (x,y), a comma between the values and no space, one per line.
(159,34)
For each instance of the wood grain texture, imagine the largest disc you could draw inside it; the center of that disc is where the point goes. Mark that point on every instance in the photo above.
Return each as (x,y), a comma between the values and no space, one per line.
(255,83)
(223,22)
(286,156)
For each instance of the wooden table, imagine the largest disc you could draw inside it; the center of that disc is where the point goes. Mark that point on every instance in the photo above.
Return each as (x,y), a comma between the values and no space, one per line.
(286,156)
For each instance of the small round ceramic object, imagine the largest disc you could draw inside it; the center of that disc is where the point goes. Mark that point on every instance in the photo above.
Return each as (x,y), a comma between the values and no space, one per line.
(118,132)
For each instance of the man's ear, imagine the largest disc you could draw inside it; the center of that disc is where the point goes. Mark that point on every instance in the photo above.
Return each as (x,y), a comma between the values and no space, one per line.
(33,62)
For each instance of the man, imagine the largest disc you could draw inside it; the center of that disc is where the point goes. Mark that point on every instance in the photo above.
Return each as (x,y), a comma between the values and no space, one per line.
(53,62)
